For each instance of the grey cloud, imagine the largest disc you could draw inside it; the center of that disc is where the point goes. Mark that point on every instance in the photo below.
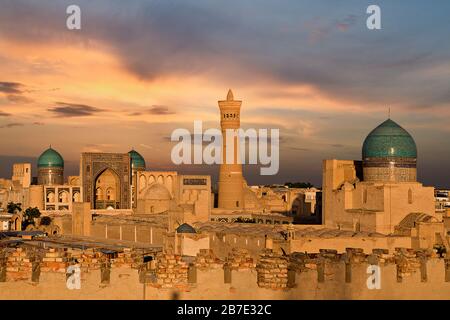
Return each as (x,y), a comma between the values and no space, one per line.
(64,109)
(11,125)
(347,22)
(14,92)
(222,41)
(319,31)
(160,110)
(155,110)
(19,98)
(11,87)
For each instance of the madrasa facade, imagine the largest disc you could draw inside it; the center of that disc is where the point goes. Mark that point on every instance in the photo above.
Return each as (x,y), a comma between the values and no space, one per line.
(112,183)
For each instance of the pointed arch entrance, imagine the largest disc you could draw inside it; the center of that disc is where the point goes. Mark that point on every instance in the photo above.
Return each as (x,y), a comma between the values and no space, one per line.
(107,190)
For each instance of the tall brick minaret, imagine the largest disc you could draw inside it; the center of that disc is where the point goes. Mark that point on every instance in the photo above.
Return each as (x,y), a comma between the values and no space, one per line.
(231,182)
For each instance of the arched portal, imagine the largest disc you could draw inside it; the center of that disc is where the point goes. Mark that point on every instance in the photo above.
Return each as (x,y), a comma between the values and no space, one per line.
(142,182)
(17,224)
(169,183)
(63,196)
(50,197)
(107,190)
(76,197)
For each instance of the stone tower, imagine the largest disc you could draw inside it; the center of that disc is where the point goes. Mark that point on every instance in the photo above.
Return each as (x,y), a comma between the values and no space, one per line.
(231,182)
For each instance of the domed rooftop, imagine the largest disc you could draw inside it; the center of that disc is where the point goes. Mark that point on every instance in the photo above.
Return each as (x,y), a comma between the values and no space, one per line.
(50,158)
(389,140)
(186,228)
(137,161)
(156,192)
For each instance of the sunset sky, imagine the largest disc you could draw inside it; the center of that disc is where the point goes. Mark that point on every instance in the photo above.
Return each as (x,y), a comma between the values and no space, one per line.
(137,70)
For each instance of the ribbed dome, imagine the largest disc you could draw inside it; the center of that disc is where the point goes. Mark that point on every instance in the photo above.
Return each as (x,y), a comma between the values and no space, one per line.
(137,161)
(50,158)
(186,228)
(156,192)
(389,140)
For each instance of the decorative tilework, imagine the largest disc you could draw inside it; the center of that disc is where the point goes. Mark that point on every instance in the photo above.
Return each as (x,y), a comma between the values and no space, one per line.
(389,140)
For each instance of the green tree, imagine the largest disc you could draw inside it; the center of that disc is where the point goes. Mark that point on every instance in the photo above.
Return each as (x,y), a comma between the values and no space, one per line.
(29,215)
(13,207)
(298,185)
(45,221)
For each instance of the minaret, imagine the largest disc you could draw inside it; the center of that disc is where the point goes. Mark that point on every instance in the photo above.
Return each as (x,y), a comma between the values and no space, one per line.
(231,182)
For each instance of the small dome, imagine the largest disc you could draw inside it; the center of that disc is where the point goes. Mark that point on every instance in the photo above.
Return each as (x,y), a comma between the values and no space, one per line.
(412,219)
(50,158)
(137,161)
(157,192)
(186,228)
(389,140)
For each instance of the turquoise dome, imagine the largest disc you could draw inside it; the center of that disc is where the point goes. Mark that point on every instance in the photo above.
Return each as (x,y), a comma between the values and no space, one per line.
(185,228)
(137,161)
(389,140)
(50,158)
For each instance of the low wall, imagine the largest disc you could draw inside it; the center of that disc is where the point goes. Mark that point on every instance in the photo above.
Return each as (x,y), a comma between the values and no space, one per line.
(403,274)
(323,277)
(313,245)
(124,284)
(38,273)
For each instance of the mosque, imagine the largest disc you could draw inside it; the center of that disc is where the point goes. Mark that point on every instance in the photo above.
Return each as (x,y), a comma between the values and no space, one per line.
(377,194)
(112,183)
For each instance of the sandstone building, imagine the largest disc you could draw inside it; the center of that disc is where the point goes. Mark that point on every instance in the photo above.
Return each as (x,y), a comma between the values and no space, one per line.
(135,232)
(377,193)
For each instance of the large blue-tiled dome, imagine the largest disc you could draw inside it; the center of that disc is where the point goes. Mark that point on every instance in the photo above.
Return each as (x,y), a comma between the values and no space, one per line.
(50,158)
(389,140)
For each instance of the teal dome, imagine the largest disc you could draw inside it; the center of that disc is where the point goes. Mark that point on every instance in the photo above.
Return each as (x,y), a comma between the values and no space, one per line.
(50,158)
(389,140)
(185,228)
(137,161)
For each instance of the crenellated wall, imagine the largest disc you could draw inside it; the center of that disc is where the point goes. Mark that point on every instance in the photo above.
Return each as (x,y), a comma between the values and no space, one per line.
(40,273)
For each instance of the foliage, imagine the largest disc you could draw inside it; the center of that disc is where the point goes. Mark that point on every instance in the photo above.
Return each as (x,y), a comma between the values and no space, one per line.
(29,215)
(440,250)
(13,207)
(245,220)
(298,185)
(46,221)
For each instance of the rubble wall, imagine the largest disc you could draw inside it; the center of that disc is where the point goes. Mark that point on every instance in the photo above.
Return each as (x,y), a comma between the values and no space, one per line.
(30,273)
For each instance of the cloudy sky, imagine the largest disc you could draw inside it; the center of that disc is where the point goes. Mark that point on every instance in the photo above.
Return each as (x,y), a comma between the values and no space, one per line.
(139,69)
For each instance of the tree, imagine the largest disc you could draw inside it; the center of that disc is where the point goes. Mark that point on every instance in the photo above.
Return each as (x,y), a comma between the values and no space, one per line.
(13,207)
(245,220)
(45,221)
(29,215)
(298,185)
